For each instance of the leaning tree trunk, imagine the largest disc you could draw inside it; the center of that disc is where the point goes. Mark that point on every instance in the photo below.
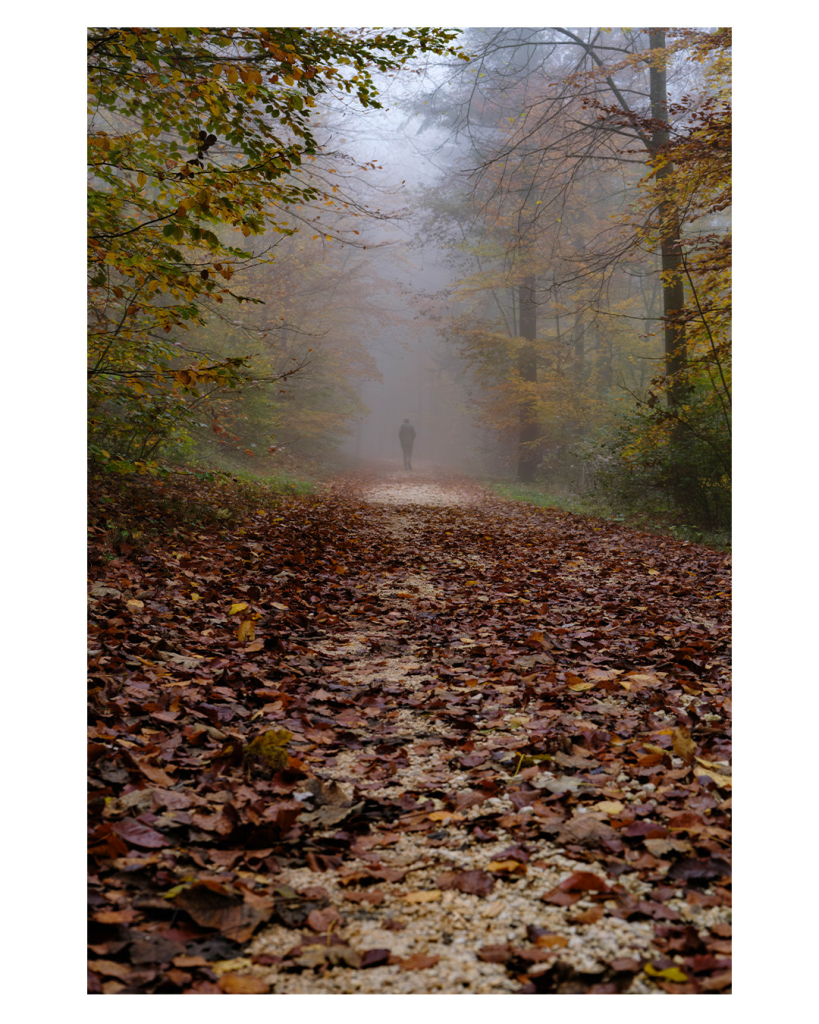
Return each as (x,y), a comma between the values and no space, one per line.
(672,280)
(527,365)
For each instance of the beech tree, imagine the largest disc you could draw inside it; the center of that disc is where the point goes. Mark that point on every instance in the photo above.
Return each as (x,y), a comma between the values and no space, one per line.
(196,140)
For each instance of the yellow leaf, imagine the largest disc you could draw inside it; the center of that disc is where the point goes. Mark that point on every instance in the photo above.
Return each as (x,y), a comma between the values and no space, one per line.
(240,607)
(135,606)
(225,966)
(579,687)
(246,631)
(507,867)
(683,745)
(445,816)
(669,974)
(422,896)
(653,572)
(141,178)
(279,607)
(723,781)
(194,596)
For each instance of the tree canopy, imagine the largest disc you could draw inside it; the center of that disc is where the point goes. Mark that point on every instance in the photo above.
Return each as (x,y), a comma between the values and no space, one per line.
(196,137)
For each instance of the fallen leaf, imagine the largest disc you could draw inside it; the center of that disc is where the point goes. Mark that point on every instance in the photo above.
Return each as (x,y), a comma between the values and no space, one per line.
(507,867)
(583,881)
(374,957)
(243,984)
(723,781)
(609,806)
(110,968)
(139,835)
(684,747)
(591,916)
(323,920)
(551,941)
(422,896)
(478,883)
(667,974)
(418,962)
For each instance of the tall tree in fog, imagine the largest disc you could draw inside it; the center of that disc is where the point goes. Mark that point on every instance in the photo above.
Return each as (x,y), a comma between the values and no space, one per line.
(562,124)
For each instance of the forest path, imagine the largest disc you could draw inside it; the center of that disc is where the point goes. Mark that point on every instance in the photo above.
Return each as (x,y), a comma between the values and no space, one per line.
(509,753)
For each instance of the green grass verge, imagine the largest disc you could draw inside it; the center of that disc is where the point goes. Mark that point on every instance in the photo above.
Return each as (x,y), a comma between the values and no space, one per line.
(651,522)
(537,495)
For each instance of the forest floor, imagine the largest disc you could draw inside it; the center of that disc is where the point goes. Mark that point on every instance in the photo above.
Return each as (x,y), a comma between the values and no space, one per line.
(403,736)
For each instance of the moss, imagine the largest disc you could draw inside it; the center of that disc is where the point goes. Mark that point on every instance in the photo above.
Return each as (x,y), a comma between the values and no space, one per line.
(270,748)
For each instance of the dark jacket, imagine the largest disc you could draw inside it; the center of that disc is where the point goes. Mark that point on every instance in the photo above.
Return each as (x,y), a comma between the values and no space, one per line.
(406,433)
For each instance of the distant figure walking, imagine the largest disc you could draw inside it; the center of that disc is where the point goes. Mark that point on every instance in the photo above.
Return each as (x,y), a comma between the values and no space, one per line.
(406,435)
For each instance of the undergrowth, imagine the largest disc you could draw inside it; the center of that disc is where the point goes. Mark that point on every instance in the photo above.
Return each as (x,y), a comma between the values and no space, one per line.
(131,512)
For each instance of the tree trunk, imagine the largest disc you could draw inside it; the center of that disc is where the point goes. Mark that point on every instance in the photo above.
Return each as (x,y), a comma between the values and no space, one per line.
(676,358)
(527,365)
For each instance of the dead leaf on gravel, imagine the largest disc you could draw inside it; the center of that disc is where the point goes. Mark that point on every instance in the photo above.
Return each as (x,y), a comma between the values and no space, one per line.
(232,966)
(445,817)
(478,883)
(550,941)
(623,963)
(243,985)
(585,830)
(315,956)
(497,954)
(375,957)
(584,881)
(507,867)
(322,920)
(422,896)
(418,962)
(591,916)
(375,897)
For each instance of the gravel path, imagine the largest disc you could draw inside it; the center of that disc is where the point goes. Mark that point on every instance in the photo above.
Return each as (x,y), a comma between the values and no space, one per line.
(444,940)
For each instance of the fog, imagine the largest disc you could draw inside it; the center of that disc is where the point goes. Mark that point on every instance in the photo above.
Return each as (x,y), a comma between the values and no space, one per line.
(477,272)
(417,375)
